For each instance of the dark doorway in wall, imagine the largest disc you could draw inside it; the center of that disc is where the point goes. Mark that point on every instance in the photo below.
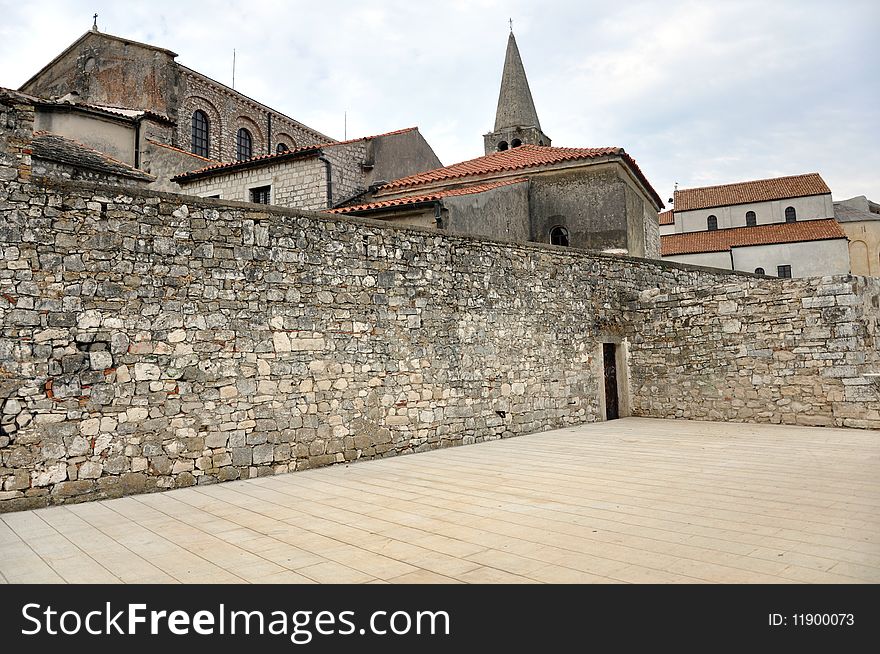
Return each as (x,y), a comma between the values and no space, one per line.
(612,404)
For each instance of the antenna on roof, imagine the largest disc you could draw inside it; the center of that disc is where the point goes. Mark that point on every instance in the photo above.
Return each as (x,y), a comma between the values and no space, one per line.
(345,126)
(233,68)
(95,24)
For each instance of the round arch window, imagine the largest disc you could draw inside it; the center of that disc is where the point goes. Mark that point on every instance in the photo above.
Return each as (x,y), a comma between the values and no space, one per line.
(502,146)
(760,271)
(281,148)
(244,144)
(515,143)
(559,236)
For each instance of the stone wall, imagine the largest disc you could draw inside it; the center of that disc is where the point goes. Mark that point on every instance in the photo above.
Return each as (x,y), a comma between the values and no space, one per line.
(791,352)
(152,341)
(16,135)
(63,171)
(296,182)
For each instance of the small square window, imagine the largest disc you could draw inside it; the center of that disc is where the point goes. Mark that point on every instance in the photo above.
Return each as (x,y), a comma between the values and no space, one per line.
(261,194)
(783,272)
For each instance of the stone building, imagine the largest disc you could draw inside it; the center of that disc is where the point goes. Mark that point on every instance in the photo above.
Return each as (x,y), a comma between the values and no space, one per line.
(783,226)
(525,190)
(210,119)
(315,177)
(860,220)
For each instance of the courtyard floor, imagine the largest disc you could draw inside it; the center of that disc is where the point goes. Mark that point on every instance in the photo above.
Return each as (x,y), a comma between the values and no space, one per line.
(633,501)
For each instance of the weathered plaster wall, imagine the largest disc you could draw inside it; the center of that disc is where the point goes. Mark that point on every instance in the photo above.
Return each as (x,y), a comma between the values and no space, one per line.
(501,213)
(107,70)
(590,202)
(164,162)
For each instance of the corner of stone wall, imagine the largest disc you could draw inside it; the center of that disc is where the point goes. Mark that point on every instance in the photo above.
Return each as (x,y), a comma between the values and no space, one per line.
(16,138)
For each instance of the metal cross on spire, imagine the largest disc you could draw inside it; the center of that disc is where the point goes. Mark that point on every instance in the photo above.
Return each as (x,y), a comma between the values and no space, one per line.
(510,20)
(95,24)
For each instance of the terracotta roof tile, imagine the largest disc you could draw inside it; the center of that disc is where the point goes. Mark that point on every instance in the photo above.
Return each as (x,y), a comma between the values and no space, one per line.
(667,218)
(417,199)
(722,240)
(519,158)
(761,190)
(270,158)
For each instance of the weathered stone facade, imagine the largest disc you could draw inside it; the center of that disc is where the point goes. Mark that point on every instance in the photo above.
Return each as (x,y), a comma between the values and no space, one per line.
(319,177)
(108,70)
(228,111)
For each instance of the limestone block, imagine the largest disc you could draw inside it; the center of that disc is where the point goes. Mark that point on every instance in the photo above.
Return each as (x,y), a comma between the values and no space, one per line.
(50,475)
(90,470)
(146,372)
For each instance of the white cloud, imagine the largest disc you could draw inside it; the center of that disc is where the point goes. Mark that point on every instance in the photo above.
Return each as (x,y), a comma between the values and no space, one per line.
(699,93)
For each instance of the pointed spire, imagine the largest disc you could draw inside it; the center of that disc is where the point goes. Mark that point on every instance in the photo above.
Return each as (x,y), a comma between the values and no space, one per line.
(516,121)
(515,105)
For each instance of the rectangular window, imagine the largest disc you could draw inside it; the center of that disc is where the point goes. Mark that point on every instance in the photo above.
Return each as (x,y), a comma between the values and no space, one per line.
(783,272)
(261,194)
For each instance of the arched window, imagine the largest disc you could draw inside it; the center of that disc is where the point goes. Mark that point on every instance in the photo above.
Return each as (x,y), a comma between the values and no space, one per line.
(760,271)
(281,148)
(244,144)
(515,143)
(751,219)
(559,236)
(712,223)
(201,137)
(502,146)
(790,215)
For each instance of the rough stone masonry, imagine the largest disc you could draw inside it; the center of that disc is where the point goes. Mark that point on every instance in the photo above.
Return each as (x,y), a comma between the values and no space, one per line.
(153,341)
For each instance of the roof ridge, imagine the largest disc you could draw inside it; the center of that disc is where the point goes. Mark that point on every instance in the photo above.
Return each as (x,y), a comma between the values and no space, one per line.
(748,181)
(722,240)
(415,199)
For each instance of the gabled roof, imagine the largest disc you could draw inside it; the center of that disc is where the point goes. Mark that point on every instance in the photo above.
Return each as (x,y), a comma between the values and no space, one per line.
(431,197)
(846,214)
(761,190)
(523,157)
(667,217)
(276,157)
(722,240)
(52,147)
(94,32)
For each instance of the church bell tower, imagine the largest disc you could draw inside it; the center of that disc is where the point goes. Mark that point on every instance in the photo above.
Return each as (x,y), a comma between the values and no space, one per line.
(516,121)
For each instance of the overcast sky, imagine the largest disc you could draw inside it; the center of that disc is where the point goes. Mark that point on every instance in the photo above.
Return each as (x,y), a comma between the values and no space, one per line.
(700,93)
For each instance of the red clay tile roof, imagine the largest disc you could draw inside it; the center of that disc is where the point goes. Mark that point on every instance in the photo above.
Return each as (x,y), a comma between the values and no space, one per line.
(760,190)
(667,218)
(417,199)
(723,240)
(519,158)
(271,158)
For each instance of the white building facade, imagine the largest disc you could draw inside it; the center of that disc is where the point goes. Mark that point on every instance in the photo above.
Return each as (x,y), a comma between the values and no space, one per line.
(782,227)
